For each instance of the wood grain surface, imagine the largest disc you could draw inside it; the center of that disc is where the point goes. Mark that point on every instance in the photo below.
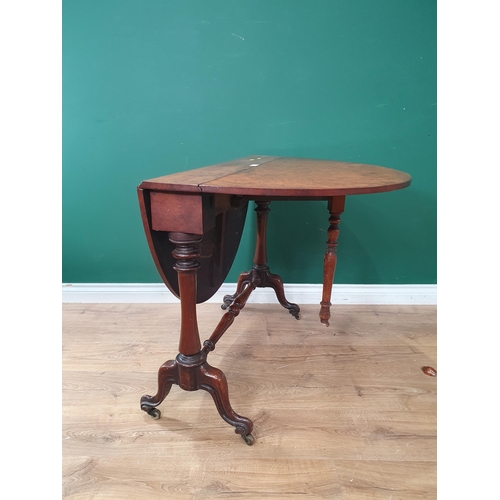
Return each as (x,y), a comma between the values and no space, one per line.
(339,413)
(189,180)
(284,177)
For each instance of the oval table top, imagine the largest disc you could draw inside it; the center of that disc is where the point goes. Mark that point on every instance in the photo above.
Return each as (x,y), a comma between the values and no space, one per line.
(272,176)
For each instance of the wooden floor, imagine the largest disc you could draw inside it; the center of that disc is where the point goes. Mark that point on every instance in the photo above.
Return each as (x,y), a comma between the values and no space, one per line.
(343,412)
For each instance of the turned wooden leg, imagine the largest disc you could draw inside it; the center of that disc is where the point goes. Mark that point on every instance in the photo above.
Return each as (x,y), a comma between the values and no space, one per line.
(190,370)
(335,207)
(259,275)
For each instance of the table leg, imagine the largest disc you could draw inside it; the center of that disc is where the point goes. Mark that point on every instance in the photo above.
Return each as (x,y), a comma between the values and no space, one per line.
(190,370)
(335,207)
(259,275)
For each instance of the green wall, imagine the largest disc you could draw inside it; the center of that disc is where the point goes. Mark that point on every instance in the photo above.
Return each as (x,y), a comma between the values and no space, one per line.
(152,87)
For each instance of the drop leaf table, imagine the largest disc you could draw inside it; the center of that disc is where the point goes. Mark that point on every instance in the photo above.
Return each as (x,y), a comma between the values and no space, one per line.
(193,222)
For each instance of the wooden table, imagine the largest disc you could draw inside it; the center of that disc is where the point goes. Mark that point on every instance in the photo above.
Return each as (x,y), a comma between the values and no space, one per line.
(193,222)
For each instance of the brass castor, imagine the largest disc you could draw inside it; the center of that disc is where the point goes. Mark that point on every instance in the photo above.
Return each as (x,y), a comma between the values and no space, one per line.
(154,413)
(249,439)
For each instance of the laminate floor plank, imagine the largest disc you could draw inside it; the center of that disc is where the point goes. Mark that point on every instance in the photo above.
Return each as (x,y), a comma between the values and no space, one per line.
(343,412)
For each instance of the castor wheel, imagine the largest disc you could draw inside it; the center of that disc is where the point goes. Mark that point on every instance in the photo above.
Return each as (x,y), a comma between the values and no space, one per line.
(224,307)
(249,439)
(154,413)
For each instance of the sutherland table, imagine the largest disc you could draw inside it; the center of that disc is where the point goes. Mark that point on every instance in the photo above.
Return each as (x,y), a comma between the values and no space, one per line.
(193,222)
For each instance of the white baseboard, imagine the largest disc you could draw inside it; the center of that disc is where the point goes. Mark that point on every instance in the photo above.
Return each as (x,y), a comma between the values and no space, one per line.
(297,293)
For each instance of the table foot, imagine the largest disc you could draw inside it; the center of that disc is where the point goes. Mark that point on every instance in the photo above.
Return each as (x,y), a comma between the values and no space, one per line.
(324,313)
(214,381)
(276,283)
(260,276)
(167,375)
(192,373)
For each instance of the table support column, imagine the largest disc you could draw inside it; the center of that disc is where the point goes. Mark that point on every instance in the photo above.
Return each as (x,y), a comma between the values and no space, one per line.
(259,275)
(190,370)
(335,207)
